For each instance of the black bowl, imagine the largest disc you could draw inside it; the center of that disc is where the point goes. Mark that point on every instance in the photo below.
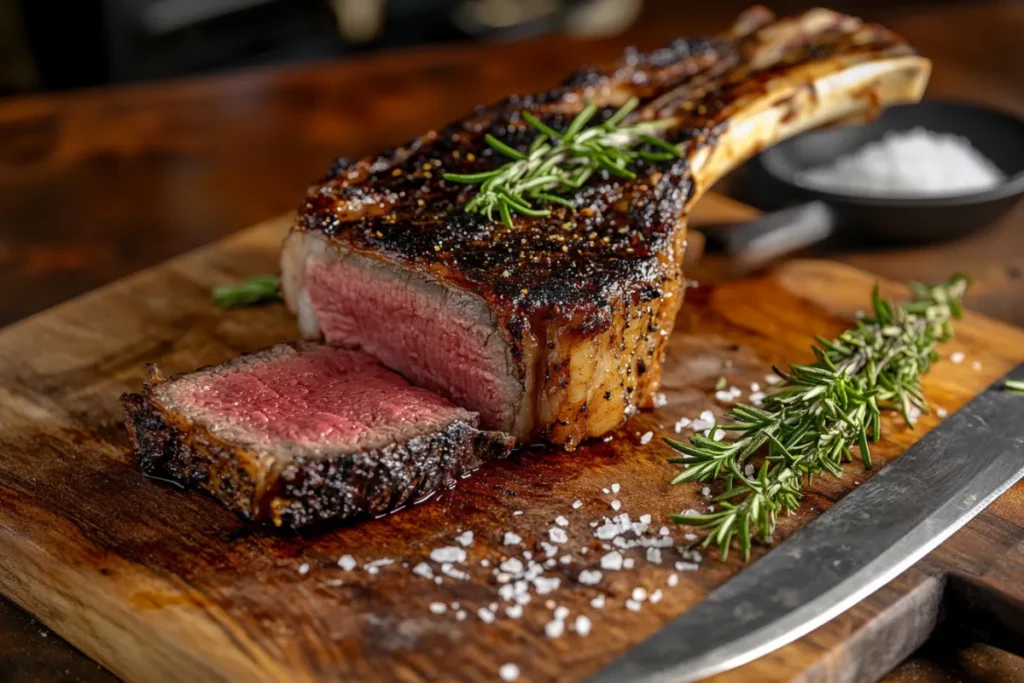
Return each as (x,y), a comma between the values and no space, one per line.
(997,135)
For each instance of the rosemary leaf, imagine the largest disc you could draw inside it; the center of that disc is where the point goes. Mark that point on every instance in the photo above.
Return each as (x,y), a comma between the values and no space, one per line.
(256,290)
(559,163)
(1014,385)
(814,419)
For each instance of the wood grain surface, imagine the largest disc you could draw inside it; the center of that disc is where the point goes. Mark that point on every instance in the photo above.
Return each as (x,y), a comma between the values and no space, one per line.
(160,584)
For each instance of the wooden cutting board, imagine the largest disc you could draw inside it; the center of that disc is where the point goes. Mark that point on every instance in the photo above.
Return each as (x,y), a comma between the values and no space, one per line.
(161,584)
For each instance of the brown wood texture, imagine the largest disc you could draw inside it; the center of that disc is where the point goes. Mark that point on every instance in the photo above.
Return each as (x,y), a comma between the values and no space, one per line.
(160,584)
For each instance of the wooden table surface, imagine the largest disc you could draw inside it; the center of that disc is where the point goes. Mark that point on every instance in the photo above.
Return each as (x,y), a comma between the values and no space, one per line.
(97,184)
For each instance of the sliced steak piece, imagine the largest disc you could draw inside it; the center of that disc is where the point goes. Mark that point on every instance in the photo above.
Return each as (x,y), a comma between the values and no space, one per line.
(301,433)
(555,328)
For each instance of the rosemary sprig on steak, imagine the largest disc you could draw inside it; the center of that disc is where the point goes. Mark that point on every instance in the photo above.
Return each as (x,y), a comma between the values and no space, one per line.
(256,290)
(817,415)
(559,162)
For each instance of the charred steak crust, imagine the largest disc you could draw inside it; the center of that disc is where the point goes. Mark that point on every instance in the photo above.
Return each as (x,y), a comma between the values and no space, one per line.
(304,490)
(585,297)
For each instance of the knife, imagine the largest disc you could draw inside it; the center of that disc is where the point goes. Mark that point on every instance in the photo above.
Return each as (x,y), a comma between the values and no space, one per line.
(865,540)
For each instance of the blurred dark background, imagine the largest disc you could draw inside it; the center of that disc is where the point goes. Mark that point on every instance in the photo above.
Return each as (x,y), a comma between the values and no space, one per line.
(55,45)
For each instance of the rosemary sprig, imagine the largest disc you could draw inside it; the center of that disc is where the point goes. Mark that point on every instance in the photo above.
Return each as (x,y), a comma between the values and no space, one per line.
(817,415)
(255,290)
(559,162)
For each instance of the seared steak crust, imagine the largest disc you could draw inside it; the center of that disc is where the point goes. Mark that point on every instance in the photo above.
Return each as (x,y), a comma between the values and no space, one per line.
(308,488)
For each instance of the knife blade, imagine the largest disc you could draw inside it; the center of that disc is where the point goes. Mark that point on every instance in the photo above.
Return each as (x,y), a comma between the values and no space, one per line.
(865,540)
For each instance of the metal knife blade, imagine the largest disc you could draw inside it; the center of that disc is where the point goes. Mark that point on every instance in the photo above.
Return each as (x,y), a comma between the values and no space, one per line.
(863,542)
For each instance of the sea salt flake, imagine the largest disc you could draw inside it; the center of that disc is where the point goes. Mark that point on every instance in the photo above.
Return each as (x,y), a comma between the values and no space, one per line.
(664,531)
(438,607)
(612,561)
(976,365)
(723,396)
(757,398)
(512,565)
(545,585)
(561,521)
(576,505)
(509,672)
(347,562)
(654,556)
(597,602)
(646,438)
(956,357)
(448,554)
(561,612)
(655,597)
(517,513)
(511,538)
(672,580)
(616,504)
(582,625)
(557,535)
(460,615)
(565,559)
(628,563)
(605,491)
(615,488)
(639,594)
(718,435)
(554,628)
(686,566)
(633,605)
(682,424)
(486,615)
(941,412)
(772,379)
(660,400)
(514,611)
(465,539)
(304,568)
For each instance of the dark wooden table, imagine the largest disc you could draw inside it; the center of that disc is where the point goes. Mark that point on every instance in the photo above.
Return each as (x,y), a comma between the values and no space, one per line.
(95,185)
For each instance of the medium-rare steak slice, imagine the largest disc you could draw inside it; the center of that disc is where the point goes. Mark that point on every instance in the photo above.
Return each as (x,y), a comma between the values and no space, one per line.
(301,433)
(554,327)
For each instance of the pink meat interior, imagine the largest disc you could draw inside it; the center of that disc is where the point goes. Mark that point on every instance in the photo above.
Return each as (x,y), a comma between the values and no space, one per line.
(317,395)
(437,340)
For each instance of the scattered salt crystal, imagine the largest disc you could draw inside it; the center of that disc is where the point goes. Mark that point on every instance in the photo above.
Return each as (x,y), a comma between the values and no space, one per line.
(550,604)
(654,556)
(639,594)
(486,615)
(527,555)
(718,435)
(723,396)
(577,504)
(304,568)
(605,491)
(664,531)
(561,612)
(957,357)
(554,628)
(673,580)
(706,491)
(645,519)
(561,521)
(612,561)
(557,535)
(655,597)
(607,438)
(485,563)
(461,615)
(438,580)
(347,562)
(616,504)
(590,577)
(690,537)
(633,605)
(772,379)
(706,421)
(509,672)
(754,386)
(448,570)
(598,601)
(372,570)
(660,400)
(941,412)
(448,554)
(757,398)
(582,625)
(455,606)
(627,563)
(544,585)
(748,470)
(438,607)
(687,566)
(615,488)
(646,438)
(976,365)
(465,539)
(565,559)
(511,538)
(517,513)
(682,424)
(514,611)
(512,565)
